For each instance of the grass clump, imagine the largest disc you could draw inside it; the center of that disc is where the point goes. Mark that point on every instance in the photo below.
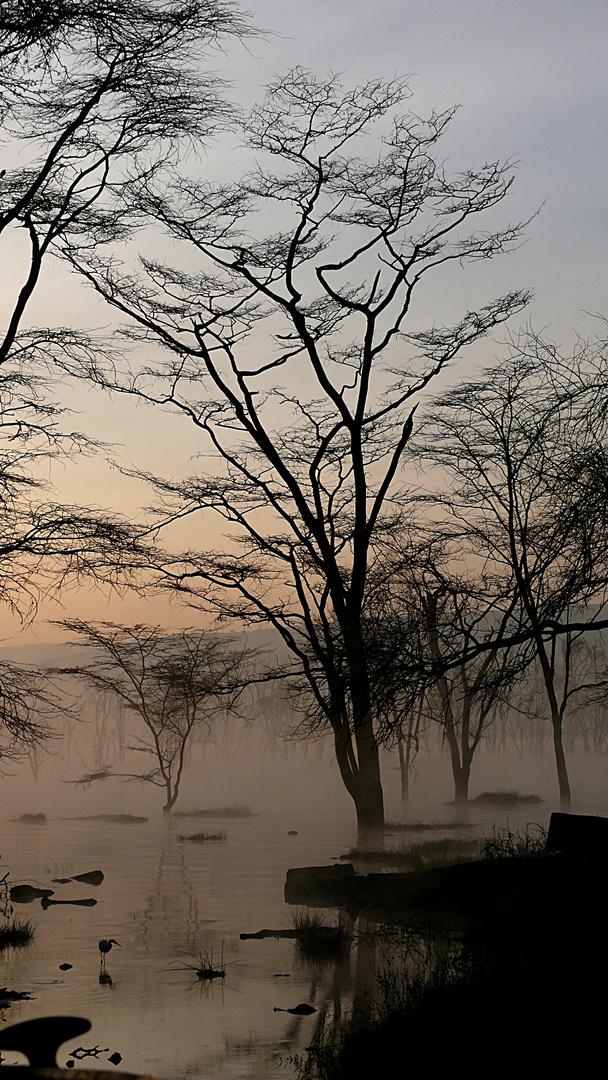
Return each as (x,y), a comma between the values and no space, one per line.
(421,855)
(202,965)
(319,941)
(16,933)
(217,812)
(427,826)
(505,798)
(529,843)
(205,837)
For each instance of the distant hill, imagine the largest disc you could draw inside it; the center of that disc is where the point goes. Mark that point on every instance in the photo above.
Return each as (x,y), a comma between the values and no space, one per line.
(61,654)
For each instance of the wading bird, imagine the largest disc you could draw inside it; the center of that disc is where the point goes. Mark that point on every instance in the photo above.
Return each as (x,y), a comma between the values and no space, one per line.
(104,947)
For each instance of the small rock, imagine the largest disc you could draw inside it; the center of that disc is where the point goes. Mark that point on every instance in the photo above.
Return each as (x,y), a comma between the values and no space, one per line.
(65,967)
(299,1010)
(115,1058)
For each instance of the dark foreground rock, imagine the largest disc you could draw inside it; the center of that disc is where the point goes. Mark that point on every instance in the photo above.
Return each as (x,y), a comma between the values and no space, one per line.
(523,997)
(578,834)
(571,874)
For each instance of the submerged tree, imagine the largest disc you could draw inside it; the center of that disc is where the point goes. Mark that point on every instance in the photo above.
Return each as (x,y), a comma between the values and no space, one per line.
(175,684)
(289,345)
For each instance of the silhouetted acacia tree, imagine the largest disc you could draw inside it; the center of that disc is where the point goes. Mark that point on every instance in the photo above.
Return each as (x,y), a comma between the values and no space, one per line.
(521,451)
(175,684)
(92,95)
(289,344)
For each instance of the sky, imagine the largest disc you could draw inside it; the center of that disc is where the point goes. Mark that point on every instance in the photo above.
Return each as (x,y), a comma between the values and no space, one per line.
(530,79)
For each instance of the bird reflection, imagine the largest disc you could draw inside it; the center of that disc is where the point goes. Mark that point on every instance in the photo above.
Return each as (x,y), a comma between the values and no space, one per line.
(105,979)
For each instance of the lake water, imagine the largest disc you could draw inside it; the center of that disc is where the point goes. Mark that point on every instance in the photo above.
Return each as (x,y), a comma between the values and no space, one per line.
(168,901)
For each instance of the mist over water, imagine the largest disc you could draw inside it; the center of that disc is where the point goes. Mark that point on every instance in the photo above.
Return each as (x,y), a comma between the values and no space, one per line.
(170,902)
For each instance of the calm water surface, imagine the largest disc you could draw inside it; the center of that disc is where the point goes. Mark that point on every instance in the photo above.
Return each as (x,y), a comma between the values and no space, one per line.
(167,901)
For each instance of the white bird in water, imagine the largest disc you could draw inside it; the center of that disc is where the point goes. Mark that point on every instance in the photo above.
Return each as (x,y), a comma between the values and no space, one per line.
(104,947)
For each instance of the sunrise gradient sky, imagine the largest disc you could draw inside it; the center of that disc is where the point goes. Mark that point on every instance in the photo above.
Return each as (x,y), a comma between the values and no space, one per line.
(531,81)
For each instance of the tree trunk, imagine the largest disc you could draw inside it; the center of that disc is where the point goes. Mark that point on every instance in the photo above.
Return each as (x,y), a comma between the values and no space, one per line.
(565,796)
(461,770)
(461,786)
(369,799)
(404,772)
(359,766)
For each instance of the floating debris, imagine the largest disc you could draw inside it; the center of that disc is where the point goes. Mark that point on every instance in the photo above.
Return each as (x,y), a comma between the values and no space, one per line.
(205,837)
(81,1052)
(65,967)
(46,902)
(115,1058)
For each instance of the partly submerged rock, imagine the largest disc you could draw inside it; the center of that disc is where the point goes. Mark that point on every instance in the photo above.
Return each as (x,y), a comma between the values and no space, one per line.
(269,933)
(299,1010)
(321,886)
(24,894)
(92,877)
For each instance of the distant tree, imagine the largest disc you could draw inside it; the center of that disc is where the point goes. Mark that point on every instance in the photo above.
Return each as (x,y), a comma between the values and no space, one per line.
(288,343)
(521,451)
(176,685)
(465,697)
(29,707)
(428,614)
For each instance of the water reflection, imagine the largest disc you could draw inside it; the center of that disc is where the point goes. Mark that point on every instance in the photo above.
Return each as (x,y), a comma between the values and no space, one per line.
(177,909)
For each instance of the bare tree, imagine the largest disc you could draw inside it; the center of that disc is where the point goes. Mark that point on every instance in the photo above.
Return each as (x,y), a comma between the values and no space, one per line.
(175,684)
(465,697)
(29,706)
(428,615)
(91,95)
(521,450)
(290,347)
